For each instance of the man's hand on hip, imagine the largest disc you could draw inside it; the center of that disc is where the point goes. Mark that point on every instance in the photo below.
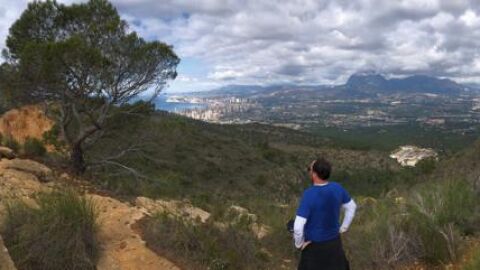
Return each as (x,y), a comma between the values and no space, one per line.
(305,245)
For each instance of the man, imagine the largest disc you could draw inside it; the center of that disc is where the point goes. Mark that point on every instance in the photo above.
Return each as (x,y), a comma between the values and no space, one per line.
(316,228)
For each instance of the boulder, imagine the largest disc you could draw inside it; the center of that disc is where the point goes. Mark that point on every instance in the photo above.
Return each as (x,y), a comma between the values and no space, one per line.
(6,152)
(42,172)
(260,230)
(176,208)
(241,213)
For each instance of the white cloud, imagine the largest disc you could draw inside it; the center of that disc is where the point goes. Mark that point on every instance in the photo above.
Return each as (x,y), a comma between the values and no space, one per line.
(470,18)
(309,41)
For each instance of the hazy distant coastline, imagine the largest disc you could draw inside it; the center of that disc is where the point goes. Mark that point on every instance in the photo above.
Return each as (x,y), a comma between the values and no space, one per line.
(163,103)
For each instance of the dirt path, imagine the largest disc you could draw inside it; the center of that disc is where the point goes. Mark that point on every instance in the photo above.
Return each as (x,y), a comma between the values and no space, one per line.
(121,247)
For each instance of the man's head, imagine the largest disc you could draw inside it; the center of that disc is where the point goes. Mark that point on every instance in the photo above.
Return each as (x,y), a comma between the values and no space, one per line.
(320,169)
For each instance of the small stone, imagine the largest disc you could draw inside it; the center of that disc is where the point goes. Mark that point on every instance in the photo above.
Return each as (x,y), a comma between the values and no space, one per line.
(65,176)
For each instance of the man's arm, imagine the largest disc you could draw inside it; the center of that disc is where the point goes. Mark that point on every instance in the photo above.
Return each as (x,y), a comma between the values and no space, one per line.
(350,209)
(298,234)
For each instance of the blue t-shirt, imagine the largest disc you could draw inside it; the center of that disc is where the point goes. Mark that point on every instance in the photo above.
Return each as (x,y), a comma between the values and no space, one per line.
(320,205)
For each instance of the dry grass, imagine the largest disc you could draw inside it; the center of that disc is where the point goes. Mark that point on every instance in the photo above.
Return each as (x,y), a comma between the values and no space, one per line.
(58,234)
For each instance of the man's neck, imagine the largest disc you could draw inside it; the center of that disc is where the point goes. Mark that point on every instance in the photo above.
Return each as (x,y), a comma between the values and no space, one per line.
(319,182)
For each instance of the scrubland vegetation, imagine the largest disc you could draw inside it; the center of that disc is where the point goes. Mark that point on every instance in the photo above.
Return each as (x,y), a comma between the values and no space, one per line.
(475,262)
(424,214)
(58,233)
(205,246)
(406,215)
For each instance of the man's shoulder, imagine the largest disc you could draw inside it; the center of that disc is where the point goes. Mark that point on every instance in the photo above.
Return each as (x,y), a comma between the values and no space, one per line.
(335,185)
(308,191)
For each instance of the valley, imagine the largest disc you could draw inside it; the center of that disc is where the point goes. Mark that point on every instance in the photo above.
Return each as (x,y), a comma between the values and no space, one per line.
(192,134)
(354,109)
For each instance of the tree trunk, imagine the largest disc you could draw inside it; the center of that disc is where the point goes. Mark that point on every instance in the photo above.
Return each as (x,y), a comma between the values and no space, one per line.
(77,160)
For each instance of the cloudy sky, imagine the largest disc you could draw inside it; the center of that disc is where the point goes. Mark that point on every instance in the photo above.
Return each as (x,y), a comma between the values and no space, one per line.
(303,41)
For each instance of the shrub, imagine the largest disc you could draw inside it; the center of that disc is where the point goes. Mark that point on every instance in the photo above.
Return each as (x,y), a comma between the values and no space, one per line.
(379,238)
(34,147)
(426,166)
(443,213)
(474,263)
(52,136)
(11,143)
(206,246)
(58,234)
(429,225)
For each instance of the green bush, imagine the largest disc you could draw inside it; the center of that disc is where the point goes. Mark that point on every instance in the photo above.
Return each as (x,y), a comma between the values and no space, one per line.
(426,166)
(52,137)
(443,213)
(34,147)
(11,143)
(204,246)
(428,225)
(58,234)
(379,238)
(474,263)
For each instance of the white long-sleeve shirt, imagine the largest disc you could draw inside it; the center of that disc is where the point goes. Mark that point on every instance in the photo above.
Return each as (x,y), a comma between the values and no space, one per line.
(299,224)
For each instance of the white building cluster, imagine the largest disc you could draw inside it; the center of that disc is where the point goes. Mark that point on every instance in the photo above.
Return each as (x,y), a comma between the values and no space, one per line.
(410,155)
(208,115)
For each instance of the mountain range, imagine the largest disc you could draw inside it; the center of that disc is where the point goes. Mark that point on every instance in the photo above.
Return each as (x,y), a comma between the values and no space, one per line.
(357,84)
(376,83)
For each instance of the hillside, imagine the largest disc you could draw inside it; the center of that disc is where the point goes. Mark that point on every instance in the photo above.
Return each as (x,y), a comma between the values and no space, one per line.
(108,163)
(198,187)
(121,247)
(464,165)
(183,156)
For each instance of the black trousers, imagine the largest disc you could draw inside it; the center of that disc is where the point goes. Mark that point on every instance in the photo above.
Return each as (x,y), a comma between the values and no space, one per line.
(327,255)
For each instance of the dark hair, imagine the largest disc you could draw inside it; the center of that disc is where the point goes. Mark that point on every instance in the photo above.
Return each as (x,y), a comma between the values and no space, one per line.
(322,168)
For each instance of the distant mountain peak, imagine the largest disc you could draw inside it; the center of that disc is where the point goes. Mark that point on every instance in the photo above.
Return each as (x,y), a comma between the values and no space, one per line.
(368,83)
(374,83)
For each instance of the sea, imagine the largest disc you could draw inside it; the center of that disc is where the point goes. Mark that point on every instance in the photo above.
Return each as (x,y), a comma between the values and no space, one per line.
(161,103)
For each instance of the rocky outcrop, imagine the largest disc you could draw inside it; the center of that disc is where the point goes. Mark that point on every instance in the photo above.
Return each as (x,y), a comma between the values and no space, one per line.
(410,155)
(121,247)
(241,214)
(25,122)
(184,209)
(173,207)
(21,178)
(35,169)
(17,183)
